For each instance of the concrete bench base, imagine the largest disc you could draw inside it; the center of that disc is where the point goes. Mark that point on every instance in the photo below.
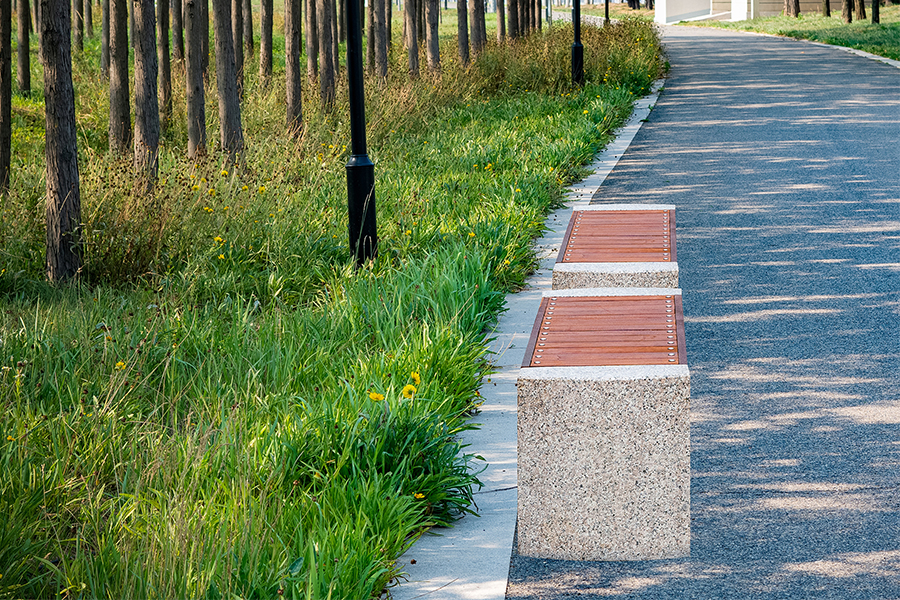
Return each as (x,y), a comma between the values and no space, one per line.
(604,462)
(567,276)
(604,451)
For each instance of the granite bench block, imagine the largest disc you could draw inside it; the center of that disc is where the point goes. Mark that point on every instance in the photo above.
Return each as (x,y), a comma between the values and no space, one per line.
(604,451)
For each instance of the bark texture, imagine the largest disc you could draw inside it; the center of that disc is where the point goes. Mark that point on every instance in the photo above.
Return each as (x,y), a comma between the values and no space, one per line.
(231,135)
(248,28)
(293,75)
(78,27)
(847,11)
(5,93)
(146,102)
(381,58)
(312,42)
(119,99)
(462,30)
(412,37)
(513,18)
(265,40)
(88,18)
(24,71)
(370,36)
(326,57)
(479,34)
(165,64)
(432,44)
(63,214)
(104,39)
(237,34)
(196,105)
(177,11)
(876,17)
(860,10)
(501,21)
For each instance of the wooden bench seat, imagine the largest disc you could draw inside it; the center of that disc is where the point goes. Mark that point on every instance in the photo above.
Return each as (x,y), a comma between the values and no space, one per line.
(618,245)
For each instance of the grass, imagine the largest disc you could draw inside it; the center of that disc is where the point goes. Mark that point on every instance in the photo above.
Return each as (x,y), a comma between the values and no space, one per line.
(224,406)
(882,38)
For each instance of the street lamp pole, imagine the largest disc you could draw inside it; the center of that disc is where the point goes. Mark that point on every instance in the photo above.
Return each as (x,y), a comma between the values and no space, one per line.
(577,48)
(360,170)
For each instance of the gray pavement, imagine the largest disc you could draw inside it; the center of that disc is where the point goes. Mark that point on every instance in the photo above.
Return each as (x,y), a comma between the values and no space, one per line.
(783,159)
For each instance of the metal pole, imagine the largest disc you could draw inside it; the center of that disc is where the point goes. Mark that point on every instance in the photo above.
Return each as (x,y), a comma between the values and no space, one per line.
(577,48)
(360,170)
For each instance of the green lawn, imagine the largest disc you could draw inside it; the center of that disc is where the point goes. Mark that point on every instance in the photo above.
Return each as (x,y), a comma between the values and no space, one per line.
(882,38)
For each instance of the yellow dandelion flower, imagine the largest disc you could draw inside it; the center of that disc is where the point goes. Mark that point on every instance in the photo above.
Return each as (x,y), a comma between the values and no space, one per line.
(518,190)
(408,391)
(418,496)
(262,189)
(218,240)
(9,438)
(224,173)
(221,257)
(226,208)
(195,187)
(471,234)
(585,112)
(120,366)
(376,396)
(211,192)
(416,379)
(408,232)
(244,188)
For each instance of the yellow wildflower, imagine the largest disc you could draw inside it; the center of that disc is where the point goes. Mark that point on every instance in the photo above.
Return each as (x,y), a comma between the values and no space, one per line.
(9,438)
(418,496)
(212,192)
(471,234)
(218,240)
(221,257)
(415,377)
(408,391)
(376,396)
(120,365)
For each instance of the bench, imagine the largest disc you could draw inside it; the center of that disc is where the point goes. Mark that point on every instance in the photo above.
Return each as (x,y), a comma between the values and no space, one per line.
(618,245)
(603,427)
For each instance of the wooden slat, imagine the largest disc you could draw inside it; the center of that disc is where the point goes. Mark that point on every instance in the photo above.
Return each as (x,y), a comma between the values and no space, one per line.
(619,236)
(607,331)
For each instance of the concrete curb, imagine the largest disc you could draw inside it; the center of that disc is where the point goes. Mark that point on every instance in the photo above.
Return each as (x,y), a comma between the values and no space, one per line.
(471,560)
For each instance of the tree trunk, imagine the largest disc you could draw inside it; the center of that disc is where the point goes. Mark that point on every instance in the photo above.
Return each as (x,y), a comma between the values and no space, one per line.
(860,10)
(204,37)
(146,101)
(522,6)
(847,11)
(512,7)
(380,38)
(462,30)
(412,37)
(265,40)
(826,8)
(196,104)
(165,65)
(432,44)
(371,27)
(177,29)
(335,44)
(231,136)
(63,214)
(88,18)
(119,98)
(104,39)
(24,71)
(131,23)
(539,16)
(293,19)
(248,28)
(312,42)
(501,21)
(237,34)
(5,93)
(78,30)
(389,6)
(876,17)
(478,27)
(326,68)
(791,8)
(342,20)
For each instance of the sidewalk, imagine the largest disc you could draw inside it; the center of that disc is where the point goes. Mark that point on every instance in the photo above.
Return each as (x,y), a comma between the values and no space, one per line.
(783,158)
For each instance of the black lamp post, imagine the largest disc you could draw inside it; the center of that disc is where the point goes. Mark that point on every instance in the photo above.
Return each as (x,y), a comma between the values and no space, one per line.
(360,170)
(577,48)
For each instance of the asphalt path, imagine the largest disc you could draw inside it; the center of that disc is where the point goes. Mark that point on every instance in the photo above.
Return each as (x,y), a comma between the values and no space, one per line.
(783,159)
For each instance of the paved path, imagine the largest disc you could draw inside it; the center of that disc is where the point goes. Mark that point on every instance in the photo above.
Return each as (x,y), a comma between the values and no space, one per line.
(784,161)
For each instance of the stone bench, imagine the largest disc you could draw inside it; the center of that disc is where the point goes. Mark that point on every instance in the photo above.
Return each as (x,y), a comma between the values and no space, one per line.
(603,433)
(618,245)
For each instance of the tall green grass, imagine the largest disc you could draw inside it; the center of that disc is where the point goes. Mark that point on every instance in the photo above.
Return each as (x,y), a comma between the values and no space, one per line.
(224,406)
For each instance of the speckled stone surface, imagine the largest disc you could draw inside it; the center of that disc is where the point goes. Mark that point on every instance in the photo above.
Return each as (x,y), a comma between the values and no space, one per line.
(604,462)
(633,274)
